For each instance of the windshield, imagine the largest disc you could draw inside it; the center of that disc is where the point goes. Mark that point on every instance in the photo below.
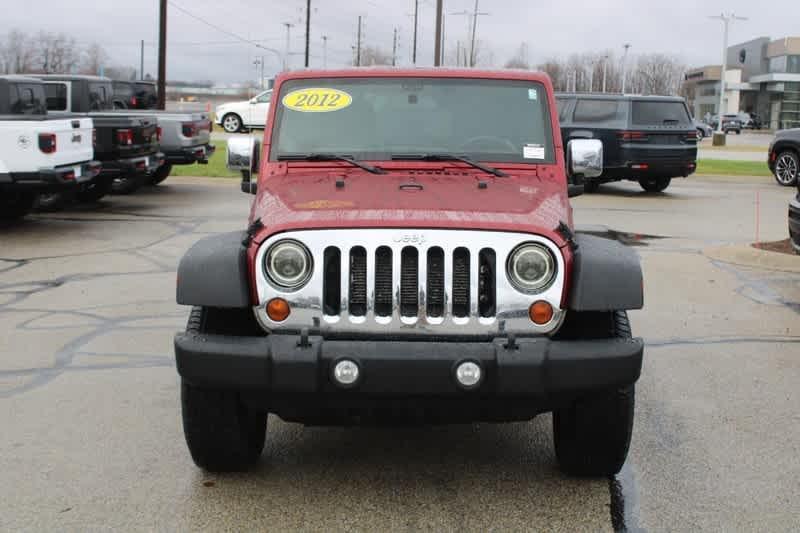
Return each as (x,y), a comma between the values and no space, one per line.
(378,118)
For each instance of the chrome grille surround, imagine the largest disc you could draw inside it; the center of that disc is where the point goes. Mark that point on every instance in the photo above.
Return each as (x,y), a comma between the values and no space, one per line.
(511,314)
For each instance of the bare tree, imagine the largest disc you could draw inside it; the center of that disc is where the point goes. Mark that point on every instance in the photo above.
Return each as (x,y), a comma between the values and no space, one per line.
(57,53)
(119,72)
(372,55)
(557,72)
(94,57)
(657,74)
(520,58)
(17,53)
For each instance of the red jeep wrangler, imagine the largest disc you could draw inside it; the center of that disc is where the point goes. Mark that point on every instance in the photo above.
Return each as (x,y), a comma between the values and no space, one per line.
(410,258)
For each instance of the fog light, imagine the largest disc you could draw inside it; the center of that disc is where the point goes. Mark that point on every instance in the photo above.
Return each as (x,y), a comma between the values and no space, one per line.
(278,309)
(346,372)
(469,374)
(541,312)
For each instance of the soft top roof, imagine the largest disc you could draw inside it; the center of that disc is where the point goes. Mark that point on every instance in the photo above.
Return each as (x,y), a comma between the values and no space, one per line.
(19,78)
(419,72)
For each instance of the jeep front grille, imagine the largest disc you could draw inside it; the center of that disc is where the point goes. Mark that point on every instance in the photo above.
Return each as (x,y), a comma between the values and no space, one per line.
(434,281)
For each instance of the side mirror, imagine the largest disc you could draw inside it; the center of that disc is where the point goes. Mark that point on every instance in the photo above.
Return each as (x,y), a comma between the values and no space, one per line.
(584,159)
(243,155)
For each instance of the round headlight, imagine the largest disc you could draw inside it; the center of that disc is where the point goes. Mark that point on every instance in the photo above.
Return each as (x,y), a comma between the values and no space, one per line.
(288,264)
(531,267)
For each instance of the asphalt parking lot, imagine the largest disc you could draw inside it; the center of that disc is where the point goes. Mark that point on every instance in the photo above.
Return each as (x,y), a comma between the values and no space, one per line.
(91,434)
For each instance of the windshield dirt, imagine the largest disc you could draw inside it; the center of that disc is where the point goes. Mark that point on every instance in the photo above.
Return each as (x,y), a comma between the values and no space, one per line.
(381,118)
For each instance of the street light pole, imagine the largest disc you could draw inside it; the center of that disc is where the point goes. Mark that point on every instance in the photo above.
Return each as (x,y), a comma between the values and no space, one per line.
(288,44)
(726,20)
(324,51)
(626,46)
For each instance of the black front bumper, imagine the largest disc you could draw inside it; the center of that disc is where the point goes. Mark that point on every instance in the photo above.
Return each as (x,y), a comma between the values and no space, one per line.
(794,222)
(285,364)
(50,179)
(190,154)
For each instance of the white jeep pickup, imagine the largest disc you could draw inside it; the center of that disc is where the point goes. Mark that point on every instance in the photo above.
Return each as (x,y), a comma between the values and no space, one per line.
(38,154)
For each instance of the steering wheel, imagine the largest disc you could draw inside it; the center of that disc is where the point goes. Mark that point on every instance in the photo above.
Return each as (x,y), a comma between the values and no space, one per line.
(484,141)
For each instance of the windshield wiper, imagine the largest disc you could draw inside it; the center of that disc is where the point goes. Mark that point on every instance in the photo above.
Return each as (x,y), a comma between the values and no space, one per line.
(331,157)
(449,157)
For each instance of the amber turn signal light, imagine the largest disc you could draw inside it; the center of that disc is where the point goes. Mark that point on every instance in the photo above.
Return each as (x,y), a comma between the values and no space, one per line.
(278,309)
(541,312)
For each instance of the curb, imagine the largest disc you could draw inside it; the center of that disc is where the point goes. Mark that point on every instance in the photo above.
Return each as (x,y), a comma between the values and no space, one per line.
(746,255)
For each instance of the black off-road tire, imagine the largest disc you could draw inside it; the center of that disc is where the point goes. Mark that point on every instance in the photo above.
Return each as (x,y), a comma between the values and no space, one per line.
(94,191)
(15,205)
(223,434)
(593,434)
(160,174)
(654,184)
(54,202)
(591,186)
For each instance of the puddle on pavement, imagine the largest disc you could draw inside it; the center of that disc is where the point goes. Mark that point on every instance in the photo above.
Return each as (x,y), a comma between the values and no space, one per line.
(624,237)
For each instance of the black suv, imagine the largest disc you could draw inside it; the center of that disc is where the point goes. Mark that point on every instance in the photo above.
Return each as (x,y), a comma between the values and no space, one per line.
(649,139)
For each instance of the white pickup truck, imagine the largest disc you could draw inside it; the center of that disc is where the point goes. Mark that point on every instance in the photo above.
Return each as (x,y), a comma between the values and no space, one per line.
(38,154)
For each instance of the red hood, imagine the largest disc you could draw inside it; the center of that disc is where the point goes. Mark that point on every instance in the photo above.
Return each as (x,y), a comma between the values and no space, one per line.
(310,199)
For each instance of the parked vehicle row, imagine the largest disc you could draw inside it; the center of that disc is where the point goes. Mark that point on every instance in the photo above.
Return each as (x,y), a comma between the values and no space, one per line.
(131,148)
(39,154)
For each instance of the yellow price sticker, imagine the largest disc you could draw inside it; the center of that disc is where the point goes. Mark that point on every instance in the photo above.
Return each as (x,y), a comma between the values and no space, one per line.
(317,100)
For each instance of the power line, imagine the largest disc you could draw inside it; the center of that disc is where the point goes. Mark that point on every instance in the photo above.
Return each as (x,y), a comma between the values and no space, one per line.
(222,30)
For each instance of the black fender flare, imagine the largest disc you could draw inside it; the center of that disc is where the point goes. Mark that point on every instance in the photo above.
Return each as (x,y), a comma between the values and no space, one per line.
(606,276)
(214,273)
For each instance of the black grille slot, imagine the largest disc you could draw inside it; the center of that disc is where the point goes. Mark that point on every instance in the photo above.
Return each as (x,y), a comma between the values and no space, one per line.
(383,281)
(332,281)
(435,280)
(358,281)
(461,282)
(487,289)
(409,281)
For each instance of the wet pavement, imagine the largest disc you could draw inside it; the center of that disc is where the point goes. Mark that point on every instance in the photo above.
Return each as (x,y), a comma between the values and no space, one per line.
(90,414)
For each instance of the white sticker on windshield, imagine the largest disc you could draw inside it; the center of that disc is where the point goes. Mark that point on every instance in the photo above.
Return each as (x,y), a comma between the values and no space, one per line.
(533,151)
(533,94)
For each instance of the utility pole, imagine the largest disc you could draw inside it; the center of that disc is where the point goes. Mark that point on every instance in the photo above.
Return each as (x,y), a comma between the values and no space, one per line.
(437,54)
(416,17)
(260,63)
(162,54)
(324,51)
(358,44)
(308,28)
(394,48)
(626,46)
(141,62)
(726,20)
(288,44)
(475,13)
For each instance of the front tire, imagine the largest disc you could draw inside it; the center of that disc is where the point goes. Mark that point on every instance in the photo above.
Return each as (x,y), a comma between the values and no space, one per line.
(160,174)
(222,433)
(593,434)
(654,184)
(700,135)
(232,123)
(591,186)
(787,168)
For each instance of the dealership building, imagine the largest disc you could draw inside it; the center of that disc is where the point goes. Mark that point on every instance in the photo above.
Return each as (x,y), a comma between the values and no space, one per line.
(762,77)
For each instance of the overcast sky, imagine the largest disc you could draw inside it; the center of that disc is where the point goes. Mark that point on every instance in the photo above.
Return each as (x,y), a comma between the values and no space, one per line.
(549,28)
